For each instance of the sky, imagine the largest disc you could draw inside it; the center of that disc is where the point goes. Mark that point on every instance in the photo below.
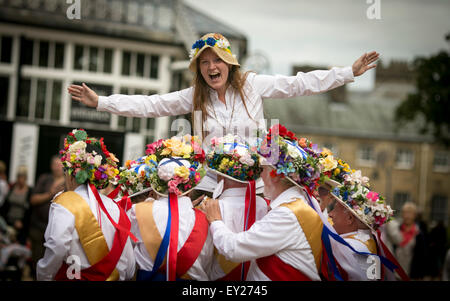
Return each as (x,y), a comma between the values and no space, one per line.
(335,32)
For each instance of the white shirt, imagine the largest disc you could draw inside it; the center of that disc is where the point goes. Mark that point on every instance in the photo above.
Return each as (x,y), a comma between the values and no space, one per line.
(357,266)
(278,232)
(186,223)
(232,209)
(231,117)
(62,240)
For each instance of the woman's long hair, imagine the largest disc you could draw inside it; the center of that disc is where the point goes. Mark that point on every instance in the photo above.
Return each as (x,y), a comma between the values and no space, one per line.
(236,79)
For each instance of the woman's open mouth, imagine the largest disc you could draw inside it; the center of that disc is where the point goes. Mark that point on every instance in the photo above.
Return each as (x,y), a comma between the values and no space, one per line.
(214,76)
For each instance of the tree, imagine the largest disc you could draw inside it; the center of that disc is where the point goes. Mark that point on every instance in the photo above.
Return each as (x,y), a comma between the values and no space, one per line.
(431,100)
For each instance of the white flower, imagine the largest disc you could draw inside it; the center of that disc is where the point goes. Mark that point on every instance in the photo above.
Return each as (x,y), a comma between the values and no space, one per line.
(165,172)
(192,53)
(293,151)
(97,160)
(222,44)
(79,145)
(247,160)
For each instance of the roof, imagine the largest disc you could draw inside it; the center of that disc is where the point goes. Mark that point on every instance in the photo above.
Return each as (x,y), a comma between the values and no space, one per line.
(364,115)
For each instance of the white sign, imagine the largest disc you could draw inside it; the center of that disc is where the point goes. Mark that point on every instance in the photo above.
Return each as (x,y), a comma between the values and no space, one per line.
(25,139)
(134,147)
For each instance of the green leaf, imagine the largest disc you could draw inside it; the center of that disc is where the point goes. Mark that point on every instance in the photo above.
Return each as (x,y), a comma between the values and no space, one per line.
(81,135)
(70,140)
(81,176)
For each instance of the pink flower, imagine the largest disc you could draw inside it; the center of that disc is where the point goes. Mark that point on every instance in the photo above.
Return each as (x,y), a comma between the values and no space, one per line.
(151,148)
(214,141)
(173,187)
(373,196)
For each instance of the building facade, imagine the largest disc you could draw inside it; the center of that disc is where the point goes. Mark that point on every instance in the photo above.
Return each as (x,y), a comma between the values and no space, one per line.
(114,46)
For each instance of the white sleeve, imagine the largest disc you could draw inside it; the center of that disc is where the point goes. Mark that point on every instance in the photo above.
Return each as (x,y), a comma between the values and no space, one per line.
(58,236)
(302,84)
(271,234)
(171,104)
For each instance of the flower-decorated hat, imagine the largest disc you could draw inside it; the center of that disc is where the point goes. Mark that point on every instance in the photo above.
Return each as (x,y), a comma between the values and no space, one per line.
(233,159)
(296,159)
(368,206)
(179,165)
(135,176)
(218,43)
(87,159)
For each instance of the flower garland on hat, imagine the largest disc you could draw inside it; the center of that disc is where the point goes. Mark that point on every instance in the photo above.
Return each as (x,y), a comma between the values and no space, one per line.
(185,173)
(234,159)
(298,158)
(85,165)
(135,175)
(370,207)
(217,41)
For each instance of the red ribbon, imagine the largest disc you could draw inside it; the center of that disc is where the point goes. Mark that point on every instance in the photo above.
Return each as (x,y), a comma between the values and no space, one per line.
(173,242)
(249,218)
(391,257)
(102,206)
(113,194)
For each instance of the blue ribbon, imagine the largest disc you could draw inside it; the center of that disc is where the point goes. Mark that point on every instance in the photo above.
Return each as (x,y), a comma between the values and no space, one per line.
(146,275)
(172,159)
(234,144)
(302,151)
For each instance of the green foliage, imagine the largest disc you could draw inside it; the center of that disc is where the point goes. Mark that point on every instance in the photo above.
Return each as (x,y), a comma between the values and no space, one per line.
(431,100)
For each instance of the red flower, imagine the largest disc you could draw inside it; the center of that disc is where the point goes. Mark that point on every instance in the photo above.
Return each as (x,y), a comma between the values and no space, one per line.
(105,151)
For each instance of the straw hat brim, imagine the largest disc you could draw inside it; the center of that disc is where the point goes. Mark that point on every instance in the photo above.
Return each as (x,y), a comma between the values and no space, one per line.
(351,210)
(141,192)
(223,54)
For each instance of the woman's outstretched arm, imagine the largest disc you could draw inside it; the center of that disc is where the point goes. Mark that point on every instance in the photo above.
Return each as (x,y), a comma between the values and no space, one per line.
(170,104)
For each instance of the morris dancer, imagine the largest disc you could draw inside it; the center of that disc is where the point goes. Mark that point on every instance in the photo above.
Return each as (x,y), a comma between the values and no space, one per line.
(237,168)
(286,243)
(85,227)
(170,225)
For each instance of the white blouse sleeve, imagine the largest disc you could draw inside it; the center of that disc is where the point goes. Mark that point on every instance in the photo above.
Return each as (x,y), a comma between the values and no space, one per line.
(58,236)
(302,84)
(276,231)
(171,104)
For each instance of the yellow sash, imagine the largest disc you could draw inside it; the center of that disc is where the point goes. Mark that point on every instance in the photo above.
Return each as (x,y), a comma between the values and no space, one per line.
(149,231)
(370,243)
(89,232)
(311,225)
(226,265)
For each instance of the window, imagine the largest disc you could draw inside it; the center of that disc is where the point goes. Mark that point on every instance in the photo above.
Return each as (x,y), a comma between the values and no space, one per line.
(6,49)
(43,53)
(439,208)
(441,161)
(400,198)
(23,98)
(140,61)
(78,60)
(59,55)
(126,62)
(4,88)
(366,156)
(26,51)
(107,64)
(404,159)
(93,59)
(154,62)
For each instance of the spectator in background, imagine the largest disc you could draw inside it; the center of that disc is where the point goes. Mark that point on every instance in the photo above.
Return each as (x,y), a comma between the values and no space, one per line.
(437,243)
(17,204)
(47,186)
(409,242)
(446,269)
(4,188)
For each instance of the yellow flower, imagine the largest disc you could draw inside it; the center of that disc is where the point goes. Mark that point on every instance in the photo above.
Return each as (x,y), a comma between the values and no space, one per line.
(166,151)
(150,158)
(328,163)
(337,171)
(73,157)
(182,172)
(224,164)
(327,152)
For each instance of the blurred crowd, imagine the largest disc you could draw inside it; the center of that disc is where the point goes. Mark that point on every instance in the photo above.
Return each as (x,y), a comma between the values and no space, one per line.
(421,249)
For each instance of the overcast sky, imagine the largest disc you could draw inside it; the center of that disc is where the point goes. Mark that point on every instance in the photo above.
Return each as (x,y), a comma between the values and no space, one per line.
(332,32)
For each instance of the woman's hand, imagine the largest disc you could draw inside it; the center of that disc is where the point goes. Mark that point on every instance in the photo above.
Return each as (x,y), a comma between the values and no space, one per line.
(212,210)
(84,95)
(361,65)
